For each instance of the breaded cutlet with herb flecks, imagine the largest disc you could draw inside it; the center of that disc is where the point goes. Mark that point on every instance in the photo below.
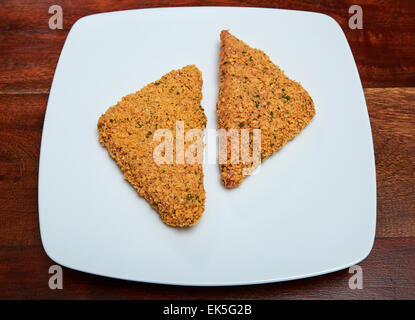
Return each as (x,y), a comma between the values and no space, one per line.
(175,191)
(254,93)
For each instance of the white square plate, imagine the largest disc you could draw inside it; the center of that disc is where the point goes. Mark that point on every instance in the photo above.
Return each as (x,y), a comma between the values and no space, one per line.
(310,210)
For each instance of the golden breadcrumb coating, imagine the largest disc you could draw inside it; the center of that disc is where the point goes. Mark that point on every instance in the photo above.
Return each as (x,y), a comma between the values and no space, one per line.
(254,93)
(175,191)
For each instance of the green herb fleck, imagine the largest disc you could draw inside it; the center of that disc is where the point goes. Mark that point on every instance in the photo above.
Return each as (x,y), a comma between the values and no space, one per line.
(285,96)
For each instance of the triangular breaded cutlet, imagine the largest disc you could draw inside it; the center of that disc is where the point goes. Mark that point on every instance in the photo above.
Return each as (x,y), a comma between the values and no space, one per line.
(127,129)
(254,93)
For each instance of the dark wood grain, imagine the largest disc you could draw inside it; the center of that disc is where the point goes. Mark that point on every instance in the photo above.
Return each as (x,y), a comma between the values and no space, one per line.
(21,121)
(392,117)
(384,50)
(388,273)
(385,55)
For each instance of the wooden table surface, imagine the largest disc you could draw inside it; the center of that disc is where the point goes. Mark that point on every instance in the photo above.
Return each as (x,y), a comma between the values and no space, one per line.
(385,55)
